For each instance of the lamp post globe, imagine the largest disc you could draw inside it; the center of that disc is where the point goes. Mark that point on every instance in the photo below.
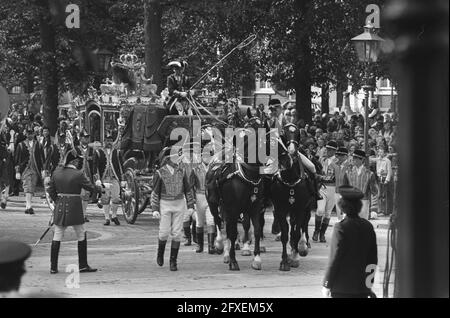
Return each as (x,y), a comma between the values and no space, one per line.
(368,47)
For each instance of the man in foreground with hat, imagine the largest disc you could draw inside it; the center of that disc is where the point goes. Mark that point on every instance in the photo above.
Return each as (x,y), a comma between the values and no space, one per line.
(12,267)
(328,178)
(64,189)
(353,251)
(29,164)
(363,179)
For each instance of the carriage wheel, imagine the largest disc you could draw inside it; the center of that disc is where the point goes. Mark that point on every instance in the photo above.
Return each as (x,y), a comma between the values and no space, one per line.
(130,197)
(143,202)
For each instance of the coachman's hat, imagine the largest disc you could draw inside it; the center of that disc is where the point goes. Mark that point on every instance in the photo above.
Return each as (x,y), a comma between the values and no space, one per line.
(342,151)
(72,155)
(350,193)
(359,154)
(332,145)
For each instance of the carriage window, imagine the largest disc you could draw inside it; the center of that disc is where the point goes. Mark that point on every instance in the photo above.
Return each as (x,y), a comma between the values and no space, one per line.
(111,124)
(95,126)
(83,120)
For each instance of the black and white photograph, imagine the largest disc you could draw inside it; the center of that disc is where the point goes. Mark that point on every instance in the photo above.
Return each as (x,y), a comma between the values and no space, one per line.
(224,155)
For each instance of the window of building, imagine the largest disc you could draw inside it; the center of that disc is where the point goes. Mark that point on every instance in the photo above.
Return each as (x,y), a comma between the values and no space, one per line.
(385,83)
(16,90)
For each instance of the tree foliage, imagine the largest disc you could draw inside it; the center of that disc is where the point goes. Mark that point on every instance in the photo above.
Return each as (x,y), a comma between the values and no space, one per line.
(310,36)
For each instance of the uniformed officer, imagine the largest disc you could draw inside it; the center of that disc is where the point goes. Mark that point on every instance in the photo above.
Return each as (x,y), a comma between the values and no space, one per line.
(12,267)
(108,172)
(363,179)
(170,197)
(65,189)
(29,164)
(88,154)
(325,205)
(353,251)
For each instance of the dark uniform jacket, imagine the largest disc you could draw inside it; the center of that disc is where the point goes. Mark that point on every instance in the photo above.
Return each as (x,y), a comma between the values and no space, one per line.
(22,156)
(88,160)
(67,180)
(100,163)
(175,86)
(353,248)
(50,155)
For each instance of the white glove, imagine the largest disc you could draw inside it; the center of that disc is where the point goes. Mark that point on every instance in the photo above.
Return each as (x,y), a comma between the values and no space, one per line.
(156,214)
(191,211)
(107,185)
(123,184)
(98,183)
(183,94)
(326,293)
(18,176)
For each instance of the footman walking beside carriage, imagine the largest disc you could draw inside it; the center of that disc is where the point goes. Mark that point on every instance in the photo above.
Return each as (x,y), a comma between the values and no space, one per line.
(108,171)
(169,199)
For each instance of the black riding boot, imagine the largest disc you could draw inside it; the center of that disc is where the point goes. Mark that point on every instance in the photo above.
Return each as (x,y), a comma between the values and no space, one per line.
(194,231)
(323,229)
(315,236)
(173,255)
(200,240)
(161,249)
(54,252)
(82,257)
(187,234)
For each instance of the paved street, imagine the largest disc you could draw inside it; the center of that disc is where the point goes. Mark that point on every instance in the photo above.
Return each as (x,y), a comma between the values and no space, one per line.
(125,256)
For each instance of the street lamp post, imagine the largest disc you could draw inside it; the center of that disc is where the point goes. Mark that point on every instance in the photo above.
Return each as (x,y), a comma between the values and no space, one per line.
(368,47)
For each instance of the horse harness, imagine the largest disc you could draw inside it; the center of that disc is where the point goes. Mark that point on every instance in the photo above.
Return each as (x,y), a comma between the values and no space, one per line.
(240,173)
(292,185)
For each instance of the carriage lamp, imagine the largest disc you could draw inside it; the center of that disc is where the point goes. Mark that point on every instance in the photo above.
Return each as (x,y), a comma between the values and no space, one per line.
(368,48)
(104,58)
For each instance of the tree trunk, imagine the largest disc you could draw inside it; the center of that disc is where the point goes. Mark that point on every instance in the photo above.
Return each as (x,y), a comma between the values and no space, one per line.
(325,98)
(153,41)
(48,69)
(302,71)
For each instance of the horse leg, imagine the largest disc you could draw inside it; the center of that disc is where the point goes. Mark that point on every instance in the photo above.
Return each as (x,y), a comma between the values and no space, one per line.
(296,228)
(226,249)
(246,240)
(257,229)
(231,226)
(262,222)
(305,228)
(284,227)
(303,244)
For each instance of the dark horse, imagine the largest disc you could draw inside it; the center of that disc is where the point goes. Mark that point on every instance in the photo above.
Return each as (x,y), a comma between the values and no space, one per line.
(239,185)
(291,196)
